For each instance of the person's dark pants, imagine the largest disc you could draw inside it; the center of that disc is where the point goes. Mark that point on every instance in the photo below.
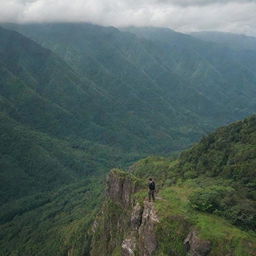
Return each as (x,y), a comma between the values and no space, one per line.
(151,195)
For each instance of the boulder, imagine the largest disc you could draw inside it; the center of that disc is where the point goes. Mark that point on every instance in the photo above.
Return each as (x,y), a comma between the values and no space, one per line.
(196,246)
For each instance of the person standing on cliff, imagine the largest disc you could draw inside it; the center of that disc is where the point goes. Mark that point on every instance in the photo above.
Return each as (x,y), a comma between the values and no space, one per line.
(151,190)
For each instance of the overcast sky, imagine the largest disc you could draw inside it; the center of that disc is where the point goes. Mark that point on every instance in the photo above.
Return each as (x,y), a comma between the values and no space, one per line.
(238,16)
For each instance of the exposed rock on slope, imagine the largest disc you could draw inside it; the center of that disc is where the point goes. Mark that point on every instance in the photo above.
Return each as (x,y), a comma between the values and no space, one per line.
(121,187)
(147,235)
(196,246)
(141,239)
(127,226)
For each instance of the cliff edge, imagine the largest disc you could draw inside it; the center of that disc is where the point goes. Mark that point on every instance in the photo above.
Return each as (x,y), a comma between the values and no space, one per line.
(129,225)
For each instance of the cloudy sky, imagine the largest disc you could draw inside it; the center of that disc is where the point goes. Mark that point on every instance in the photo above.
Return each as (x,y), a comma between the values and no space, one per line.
(238,16)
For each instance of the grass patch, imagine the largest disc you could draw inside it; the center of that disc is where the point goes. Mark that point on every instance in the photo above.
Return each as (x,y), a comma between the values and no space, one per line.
(177,217)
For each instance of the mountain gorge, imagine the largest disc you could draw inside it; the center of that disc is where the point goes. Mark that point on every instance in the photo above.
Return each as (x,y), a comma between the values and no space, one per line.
(77,100)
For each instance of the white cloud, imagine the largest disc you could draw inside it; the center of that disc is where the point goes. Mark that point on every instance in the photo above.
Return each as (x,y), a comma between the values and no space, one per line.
(184,15)
(201,2)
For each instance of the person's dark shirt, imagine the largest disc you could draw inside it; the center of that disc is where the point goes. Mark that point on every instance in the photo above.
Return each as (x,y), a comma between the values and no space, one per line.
(151,185)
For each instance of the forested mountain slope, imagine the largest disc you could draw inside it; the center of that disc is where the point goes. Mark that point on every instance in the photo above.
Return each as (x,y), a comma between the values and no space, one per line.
(44,105)
(173,86)
(216,72)
(40,90)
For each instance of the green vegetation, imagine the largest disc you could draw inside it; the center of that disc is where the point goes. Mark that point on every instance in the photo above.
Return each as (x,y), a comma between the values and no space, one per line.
(108,235)
(158,167)
(34,162)
(54,223)
(209,188)
(222,165)
(162,90)
(176,217)
(138,182)
(229,152)
(224,201)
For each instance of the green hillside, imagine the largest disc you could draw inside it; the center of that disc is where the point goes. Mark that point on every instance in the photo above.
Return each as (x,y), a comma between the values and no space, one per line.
(47,115)
(219,170)
(113,61)
(229,152)
(205,201)
(52,223)
(49,191)
(217,72)
(146,71)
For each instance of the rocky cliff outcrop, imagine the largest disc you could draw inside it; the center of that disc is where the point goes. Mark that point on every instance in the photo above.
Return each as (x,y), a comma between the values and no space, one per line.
(121,187)
(141,239)
(127,225)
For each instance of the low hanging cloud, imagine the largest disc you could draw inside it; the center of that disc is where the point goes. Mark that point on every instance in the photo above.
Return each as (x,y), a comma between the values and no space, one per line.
(236,16)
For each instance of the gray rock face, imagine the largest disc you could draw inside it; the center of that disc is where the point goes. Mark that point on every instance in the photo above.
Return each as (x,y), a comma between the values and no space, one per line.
(136,217)
(196,246)
(142,239)
(147,235)
(133,228)
(129,247)
(120,188)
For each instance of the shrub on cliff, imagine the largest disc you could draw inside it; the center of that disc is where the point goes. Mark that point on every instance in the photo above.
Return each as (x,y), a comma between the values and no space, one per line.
(222,200)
